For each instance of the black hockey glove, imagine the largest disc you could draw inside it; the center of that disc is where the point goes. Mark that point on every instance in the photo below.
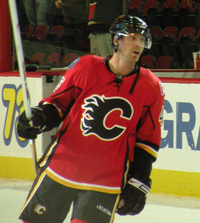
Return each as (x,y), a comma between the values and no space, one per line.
(29,129)
(133,197)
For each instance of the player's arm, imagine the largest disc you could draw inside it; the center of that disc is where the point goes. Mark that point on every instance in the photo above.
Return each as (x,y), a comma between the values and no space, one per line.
(44,118)
(52,110)
(133,196)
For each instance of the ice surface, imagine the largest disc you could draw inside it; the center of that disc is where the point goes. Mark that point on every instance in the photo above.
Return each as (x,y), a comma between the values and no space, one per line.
(159,208)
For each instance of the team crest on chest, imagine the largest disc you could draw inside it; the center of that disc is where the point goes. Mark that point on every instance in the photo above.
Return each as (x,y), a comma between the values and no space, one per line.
(105,117)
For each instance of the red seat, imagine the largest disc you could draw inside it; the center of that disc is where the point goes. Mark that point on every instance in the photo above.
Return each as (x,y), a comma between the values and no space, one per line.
(170,4)
(150,4)
(27,31)
(135,4)
(148,61)
(188,14)
(68,59)
(156,49)
(153,13)
(170,13)
(40,33)
(170,31)
(56,33)
(53,60)
(155,32)
(135,8)
(188,42)
(164,62)
(38,58)
(187,33)
(171,45)
(185,4)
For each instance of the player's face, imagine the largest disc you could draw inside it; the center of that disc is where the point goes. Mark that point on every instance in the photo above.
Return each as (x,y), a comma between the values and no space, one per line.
(131,46)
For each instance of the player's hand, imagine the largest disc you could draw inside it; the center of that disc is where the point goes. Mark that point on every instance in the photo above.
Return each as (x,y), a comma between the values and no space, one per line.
(133,197)
(29,129)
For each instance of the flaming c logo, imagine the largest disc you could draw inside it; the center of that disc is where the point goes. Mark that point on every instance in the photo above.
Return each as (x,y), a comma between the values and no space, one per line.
(39,209)
(98,109)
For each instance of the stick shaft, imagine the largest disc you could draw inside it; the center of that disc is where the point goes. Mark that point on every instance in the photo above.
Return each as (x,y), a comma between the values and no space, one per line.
(22,71)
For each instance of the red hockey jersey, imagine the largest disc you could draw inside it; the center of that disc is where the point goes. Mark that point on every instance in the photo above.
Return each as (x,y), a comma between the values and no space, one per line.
(103,125)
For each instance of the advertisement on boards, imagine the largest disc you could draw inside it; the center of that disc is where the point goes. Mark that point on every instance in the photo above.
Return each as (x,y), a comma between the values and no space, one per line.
(12,106)
(180,143)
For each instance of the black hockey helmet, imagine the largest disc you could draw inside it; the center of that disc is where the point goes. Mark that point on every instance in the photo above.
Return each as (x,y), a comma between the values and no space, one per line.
(126,24)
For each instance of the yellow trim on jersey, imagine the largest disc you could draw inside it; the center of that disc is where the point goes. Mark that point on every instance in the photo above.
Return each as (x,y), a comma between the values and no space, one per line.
(115,209)
(126,172)
(57,108)
(33,191)
(49,152)
(81,186)
(147,148)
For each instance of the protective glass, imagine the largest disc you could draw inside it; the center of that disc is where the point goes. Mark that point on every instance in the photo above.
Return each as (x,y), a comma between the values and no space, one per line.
(137,40)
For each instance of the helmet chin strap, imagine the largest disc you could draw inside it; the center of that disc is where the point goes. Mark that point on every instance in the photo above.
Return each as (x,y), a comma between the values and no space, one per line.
(116,46)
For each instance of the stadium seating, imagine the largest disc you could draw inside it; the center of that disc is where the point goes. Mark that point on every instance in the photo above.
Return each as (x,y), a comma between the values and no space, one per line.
(188,15)
(53,60)
(68,59)
(148,61)
(56,33)
(40,33)
(170,13)
(198,38)
(166,20)
(171,45)
(38,58)
(164,62)
(156,49)
(135,4)
(189,44)
(27,32)
(153,13)
(155,32)
(135,8)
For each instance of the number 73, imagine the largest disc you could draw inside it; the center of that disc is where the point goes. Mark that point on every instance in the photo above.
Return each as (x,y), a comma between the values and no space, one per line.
(12,98)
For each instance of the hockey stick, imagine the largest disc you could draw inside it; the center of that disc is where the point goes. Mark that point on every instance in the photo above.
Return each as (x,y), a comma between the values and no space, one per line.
(22,71)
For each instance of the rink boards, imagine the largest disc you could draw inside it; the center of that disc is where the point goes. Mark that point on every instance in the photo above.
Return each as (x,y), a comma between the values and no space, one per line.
(177,169)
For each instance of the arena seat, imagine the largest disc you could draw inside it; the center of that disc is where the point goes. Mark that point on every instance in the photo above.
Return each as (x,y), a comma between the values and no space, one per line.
(187,34)
(188,14)
(56,33)
(198,38)
(38,58)
(53,60)
(135,4)
(40,33)
(135,8)
(27,32)
(171,45)
(148,61)
(156,49)
(153,13)
(189,44)
(170,13)
(68,59)
(164,62)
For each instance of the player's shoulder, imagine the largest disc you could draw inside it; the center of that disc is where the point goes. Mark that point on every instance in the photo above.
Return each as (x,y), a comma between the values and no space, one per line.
(149,76)
(91,59)
(86,61)
(151,81)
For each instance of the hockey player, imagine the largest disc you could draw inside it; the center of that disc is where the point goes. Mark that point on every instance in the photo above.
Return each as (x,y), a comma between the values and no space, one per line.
(101,158)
